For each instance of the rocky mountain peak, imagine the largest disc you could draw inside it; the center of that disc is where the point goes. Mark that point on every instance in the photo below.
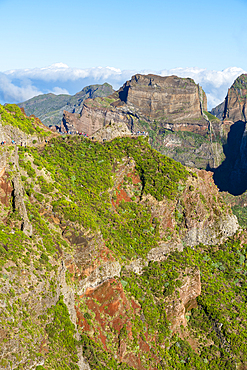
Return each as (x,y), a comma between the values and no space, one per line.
(177,103)
(165,98)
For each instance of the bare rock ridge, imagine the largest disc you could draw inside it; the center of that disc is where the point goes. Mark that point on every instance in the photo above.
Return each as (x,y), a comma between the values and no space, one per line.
(49,107)
(177,103)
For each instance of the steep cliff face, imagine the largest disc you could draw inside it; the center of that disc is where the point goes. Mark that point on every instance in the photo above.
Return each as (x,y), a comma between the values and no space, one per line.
(231,175)
(177,103)
(171,110)
(171,99)
(233,109)
(235,104)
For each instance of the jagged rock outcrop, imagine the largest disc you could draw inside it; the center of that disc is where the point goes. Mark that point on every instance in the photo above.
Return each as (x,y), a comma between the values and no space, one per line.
(111,131)
(234,107)
(91,119)
(236,101)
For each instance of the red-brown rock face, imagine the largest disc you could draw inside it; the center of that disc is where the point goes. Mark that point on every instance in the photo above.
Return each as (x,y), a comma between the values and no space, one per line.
(107,313)
(175,102)
(91,119)
(112,312)
(5,189)
(164,98)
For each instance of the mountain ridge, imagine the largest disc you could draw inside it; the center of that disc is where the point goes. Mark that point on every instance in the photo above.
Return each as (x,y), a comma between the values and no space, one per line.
(49,107)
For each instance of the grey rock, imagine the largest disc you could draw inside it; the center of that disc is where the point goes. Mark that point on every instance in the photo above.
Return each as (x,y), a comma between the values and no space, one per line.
(106,271)
(226,226)
(111,131)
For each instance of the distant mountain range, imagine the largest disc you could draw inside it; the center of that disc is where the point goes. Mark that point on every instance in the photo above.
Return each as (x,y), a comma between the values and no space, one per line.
(49,107)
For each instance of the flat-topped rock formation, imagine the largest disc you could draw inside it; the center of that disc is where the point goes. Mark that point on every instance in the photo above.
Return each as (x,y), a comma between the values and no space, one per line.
(168,99)
(177,103)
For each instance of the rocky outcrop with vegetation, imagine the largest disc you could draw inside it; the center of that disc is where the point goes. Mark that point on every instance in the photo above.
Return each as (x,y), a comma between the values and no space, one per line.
(112,276)
(49,107)
(172,110)
(177,103)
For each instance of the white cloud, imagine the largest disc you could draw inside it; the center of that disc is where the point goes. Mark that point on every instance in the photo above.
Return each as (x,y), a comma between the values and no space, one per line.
(61,72)
(59,78)
(214,83)
(10,92)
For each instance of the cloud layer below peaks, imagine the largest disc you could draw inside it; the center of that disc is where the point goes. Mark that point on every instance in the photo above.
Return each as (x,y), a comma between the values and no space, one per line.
(22,84)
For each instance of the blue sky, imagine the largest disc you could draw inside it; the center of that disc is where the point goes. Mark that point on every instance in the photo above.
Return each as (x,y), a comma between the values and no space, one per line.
(131,35)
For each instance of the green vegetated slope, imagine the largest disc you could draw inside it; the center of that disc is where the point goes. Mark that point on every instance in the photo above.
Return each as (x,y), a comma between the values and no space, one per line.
(83,173)
(68,186)
(12,115)
(239,206)
(49,107)
(218,332)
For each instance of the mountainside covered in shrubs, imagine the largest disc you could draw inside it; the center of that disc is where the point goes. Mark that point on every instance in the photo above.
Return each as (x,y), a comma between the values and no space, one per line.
(113,256)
